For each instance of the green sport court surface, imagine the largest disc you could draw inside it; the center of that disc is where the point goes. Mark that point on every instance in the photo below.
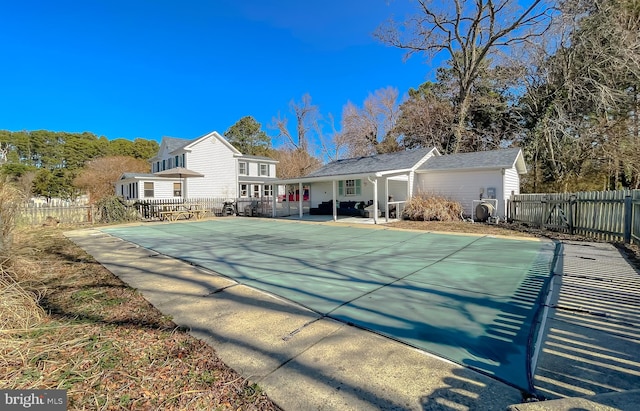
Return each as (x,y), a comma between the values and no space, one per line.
(473,300)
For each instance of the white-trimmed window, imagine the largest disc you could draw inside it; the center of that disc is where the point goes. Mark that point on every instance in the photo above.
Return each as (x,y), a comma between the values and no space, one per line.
(268,190)
(177,189)
(244,190)
(242,168)
(256,190)
(177,161)
(171,163)
(349,188)
(264,169)
(148,189)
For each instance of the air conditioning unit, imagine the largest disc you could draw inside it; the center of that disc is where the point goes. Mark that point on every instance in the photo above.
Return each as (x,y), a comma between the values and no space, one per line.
(484,210)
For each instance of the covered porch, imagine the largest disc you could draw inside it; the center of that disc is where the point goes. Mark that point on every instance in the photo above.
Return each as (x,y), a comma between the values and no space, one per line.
(367,198)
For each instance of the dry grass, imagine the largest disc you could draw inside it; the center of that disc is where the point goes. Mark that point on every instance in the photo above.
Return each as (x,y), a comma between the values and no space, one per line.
(462,227)
(103,343)
(430,207)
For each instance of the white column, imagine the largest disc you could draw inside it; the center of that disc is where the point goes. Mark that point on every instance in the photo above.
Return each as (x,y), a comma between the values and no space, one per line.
(375,201)
(300,198)
(333,200)
(386,199)
(274,199)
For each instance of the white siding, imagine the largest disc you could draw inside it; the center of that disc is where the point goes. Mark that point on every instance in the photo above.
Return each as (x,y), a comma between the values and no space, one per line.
(252,168)
(215,160)
(319,192)
(322,191)
(511,182)
(162,189)
(463,186)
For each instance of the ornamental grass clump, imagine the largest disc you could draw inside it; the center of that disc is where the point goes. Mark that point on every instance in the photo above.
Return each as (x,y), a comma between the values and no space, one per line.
(19,308)
(10,200)
(431,207)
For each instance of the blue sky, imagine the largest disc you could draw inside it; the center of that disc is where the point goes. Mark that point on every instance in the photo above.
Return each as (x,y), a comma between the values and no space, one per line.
(153,68)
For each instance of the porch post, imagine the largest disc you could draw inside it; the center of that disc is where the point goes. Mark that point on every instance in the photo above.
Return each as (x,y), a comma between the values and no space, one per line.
(300,197)
(375,200)
(386,199)
(274,199)
(333,200)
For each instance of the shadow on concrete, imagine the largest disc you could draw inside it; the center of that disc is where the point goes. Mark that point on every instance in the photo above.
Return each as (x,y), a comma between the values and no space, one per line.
(592,344)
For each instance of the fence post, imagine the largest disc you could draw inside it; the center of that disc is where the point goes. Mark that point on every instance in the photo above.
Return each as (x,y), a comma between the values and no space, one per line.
(572,202)
(627,219)
(545,211)
(512,206)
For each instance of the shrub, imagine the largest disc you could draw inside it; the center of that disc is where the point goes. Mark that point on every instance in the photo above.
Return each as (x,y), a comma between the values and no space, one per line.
(430,207)
(10,200)
(18,308)
(113,209)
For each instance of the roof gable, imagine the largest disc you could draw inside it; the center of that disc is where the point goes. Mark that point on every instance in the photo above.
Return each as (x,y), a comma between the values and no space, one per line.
(505,158)
(212,135)
(401,160)
(172,144)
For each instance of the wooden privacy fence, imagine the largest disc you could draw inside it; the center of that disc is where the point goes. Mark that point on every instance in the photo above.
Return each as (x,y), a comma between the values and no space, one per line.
(38,215)
(605,215)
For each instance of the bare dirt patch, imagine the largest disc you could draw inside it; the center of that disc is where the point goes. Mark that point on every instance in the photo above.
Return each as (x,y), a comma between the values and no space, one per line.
(106,345)
(630,251)
(462,227)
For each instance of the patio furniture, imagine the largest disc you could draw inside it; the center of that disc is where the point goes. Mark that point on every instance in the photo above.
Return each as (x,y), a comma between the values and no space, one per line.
(324,208)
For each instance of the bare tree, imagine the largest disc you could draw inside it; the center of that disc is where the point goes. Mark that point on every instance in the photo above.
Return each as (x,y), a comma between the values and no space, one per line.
(370,129)
(425,119)
(470,32)
(306,115)
(98,175)
(582,101)
(295,163)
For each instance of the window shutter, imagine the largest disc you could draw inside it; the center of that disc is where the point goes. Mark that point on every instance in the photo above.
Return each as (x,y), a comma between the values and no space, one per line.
(340,188)
(358,187)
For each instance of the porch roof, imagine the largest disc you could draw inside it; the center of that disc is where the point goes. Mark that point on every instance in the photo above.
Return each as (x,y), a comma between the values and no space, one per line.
(398,163)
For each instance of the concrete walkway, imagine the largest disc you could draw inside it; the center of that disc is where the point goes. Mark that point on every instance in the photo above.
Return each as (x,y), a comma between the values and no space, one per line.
(304,361)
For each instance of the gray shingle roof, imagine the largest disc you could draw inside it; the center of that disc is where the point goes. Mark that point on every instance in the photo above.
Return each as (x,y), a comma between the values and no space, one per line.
(249,157)
(175,143)
(134,175)
(505,158)
(401,160)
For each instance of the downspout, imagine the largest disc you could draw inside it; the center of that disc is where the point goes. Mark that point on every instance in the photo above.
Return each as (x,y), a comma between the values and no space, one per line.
(375,199)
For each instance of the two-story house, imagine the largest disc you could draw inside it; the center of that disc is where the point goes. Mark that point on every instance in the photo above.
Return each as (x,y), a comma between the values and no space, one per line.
(206,167)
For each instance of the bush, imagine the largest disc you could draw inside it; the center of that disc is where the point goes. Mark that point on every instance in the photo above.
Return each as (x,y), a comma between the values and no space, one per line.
(18,308)
(10,200)
(430,207)
(113,209)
